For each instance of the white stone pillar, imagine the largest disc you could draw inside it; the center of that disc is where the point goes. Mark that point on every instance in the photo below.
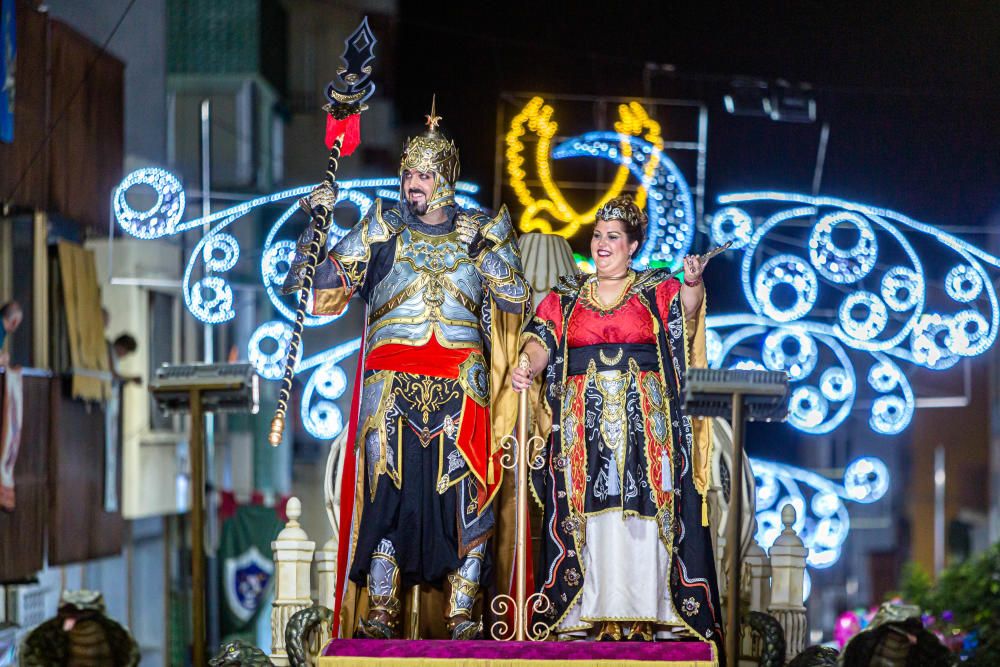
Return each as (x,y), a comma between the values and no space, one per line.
(326,573)
(293,556)
(758,568)
(788,568)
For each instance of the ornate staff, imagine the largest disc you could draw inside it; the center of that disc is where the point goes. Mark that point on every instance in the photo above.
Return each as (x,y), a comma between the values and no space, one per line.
(346,102)
(718,250)
(521,453)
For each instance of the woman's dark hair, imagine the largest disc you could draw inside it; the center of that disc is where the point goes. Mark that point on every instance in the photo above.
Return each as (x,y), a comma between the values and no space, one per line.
(625,209)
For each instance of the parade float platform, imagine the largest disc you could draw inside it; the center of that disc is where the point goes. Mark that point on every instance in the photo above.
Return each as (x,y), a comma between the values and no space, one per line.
(443,653)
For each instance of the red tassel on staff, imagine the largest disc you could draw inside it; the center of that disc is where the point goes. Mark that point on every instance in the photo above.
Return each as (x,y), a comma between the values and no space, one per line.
(350,127)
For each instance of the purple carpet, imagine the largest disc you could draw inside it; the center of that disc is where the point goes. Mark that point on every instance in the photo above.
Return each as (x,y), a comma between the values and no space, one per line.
(538,651)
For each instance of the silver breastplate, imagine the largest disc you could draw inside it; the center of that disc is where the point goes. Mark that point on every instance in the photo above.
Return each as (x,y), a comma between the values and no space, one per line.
(433,287)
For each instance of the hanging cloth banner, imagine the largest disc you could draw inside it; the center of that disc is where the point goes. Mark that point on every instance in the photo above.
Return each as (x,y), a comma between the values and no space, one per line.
(10,434)
(247,566)
(8,69)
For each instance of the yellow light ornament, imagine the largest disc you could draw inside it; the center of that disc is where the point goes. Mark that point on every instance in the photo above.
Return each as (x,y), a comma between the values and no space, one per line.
(536,117)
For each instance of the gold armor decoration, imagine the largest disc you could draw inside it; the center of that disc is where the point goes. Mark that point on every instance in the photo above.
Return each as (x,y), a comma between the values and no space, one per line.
(432,152)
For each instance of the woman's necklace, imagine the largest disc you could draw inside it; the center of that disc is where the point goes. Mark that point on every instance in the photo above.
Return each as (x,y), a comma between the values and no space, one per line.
(595,296)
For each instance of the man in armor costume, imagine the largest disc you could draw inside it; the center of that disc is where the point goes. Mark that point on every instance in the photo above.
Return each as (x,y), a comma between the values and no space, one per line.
(445,298)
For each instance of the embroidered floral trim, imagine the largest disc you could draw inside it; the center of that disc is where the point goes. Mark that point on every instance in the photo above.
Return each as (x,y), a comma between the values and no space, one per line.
(572,577)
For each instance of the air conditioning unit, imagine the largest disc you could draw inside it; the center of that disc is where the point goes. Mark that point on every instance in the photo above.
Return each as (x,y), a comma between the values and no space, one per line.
(140,288)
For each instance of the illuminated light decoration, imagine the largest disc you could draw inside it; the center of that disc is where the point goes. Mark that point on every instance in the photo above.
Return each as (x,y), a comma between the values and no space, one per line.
(807,408)
(210,298)
(754,326)
(901,288)
(889,415)
(536,117)
(713,345)
(866,479)
(967,333)
(320,414)
(823,522)
(277,261)
(929,343)
(836,384)
(269,364)
(965,324)
(842,265)
(884,376)
(795,273)
(670,208)
(748,365)
(798,363)
(963,283)
(221,253)
(892,413)
(731,224)
(162,217)
(875,318)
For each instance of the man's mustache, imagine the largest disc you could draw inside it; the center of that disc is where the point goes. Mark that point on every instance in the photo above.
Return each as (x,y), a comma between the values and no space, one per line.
(416,192)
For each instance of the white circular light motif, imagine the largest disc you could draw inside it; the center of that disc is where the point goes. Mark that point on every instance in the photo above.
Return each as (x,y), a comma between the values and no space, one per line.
(280,253)
(836,384)
(221,252)
(842,265)
(324,420)
(925,345)
(901,288)
(963,283)
(825,503)
(890,415)
(798,363)
(791,271)
(270,363)
(968,333)
(732,224)
(883,377)
(211,300)
(807,408)
(330,381)
(162,217)
(874,320)
(866,479)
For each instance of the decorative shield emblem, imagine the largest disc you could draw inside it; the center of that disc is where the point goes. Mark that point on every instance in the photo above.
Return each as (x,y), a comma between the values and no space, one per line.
(248,577)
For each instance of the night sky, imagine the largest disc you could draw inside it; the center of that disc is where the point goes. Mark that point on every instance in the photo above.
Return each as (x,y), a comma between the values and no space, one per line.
(911,89)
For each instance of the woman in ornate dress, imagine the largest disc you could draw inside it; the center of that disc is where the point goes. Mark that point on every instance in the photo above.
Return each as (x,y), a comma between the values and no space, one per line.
(626,548)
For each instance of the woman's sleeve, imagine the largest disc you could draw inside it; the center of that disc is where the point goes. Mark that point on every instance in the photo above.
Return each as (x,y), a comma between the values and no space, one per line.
(665,293)
(545,326)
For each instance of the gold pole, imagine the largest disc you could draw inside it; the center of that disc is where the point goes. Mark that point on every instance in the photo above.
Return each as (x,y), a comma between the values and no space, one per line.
(733,536)
(197,532)
(414,629)
(522,506)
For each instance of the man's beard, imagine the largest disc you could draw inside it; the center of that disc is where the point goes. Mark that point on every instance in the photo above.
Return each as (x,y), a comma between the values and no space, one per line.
(418,209)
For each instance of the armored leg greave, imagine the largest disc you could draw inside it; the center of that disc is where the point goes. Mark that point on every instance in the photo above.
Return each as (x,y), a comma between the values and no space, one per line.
(461,590)
(383,594)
